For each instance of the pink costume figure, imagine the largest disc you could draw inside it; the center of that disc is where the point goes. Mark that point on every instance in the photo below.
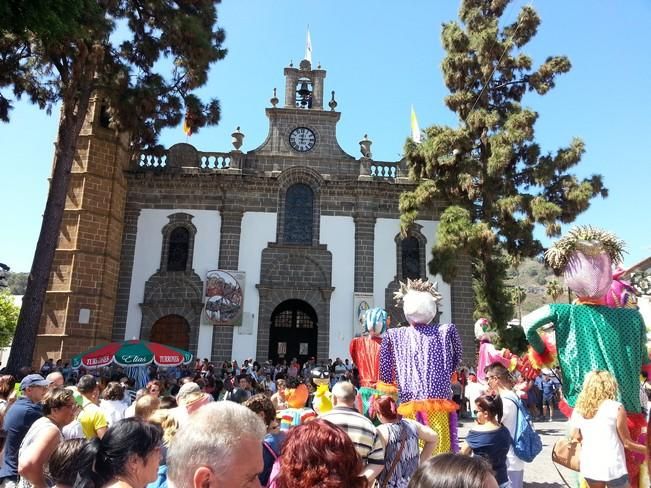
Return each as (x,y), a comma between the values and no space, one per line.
(418,362)
(488,353)
(365,353)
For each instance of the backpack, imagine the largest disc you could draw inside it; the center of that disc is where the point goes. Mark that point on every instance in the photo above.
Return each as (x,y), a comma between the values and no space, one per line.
(526,441)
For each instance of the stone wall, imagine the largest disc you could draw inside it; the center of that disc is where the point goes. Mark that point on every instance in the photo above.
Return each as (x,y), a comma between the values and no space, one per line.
(84,273)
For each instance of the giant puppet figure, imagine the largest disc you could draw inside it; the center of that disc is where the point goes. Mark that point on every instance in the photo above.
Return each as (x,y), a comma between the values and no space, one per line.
(365,353)
(419,360)
(595,332)
(488,353)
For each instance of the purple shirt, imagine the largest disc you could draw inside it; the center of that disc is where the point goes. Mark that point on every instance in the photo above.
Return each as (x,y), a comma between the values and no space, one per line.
(421,360)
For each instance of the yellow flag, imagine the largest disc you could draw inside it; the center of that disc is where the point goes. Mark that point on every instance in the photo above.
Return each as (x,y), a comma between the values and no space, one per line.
(415,130)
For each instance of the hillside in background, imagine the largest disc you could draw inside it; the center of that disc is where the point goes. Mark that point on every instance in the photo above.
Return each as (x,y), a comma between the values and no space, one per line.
(532,277)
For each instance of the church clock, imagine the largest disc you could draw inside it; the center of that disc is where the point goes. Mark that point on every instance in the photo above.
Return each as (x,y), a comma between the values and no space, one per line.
(302,139)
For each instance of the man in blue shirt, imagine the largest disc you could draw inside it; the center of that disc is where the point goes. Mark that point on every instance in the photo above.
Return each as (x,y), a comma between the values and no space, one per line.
(548,396)
(19,418)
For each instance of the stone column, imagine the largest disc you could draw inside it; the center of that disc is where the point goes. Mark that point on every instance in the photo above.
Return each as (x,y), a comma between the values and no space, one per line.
(229,256)
(364,251)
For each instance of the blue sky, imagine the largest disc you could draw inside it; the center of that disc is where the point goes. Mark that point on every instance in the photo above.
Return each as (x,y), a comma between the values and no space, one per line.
(381,57)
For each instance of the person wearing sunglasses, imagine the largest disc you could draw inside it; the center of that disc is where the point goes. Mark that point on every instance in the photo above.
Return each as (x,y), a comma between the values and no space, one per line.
(489,438)
(42,438)
(500,382)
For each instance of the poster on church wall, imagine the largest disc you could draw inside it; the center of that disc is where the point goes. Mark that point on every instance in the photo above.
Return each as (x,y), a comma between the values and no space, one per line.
(224,297)
(361,303)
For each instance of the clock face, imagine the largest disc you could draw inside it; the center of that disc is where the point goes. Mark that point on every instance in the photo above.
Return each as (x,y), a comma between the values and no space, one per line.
(302,139)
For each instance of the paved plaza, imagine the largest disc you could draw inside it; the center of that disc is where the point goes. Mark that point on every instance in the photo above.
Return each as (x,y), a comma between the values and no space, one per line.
(541,472)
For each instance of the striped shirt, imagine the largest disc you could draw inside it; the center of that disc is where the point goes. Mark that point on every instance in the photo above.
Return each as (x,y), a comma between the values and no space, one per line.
(361,431)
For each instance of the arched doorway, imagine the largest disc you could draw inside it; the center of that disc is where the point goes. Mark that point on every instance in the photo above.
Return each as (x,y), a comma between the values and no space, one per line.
(293,331)
(172,330)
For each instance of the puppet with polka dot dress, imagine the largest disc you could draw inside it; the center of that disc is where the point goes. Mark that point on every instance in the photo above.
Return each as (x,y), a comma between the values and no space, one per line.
(417,362)
(602,329)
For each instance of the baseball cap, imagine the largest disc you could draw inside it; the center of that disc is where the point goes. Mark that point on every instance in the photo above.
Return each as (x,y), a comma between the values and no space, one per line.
(33,380)
(186,389)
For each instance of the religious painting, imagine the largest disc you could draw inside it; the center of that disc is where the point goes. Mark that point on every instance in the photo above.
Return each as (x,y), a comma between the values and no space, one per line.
(224,297)
(361,303)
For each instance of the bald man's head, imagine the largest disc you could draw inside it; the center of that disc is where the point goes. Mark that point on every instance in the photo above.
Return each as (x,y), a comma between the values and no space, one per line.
(55,379)
(344,393)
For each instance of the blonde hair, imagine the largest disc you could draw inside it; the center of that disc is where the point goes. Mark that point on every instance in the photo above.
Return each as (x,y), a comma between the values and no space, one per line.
(165,419)
(598,386)
(146,405)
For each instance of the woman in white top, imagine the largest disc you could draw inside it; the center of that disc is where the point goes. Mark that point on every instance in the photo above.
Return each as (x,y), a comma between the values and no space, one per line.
(599,423)
(59,409)
(112,402)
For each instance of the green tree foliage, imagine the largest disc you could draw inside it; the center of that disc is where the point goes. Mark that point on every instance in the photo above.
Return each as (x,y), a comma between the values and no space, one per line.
(496,179)
(145,59)
(17,282)
(8,317)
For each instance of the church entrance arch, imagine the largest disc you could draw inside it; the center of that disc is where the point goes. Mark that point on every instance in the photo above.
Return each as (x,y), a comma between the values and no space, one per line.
(171,330)
(293,331)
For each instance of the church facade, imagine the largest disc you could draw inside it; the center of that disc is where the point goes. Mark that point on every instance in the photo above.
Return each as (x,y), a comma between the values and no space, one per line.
(269,254)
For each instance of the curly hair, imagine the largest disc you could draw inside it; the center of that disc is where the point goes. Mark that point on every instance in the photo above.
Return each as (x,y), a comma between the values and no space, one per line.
(598,385)
(166,421)
(113,391)
(319,453)
(261,403)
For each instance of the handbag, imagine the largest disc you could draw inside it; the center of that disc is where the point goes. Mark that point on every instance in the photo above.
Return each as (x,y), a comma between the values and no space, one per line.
(567,452)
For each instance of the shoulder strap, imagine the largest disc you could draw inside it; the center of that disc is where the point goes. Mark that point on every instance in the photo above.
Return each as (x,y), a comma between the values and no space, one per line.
(271,451)
(517,416)
(396,459)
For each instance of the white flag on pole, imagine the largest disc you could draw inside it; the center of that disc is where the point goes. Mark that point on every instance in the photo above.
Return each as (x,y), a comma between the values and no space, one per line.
(415,130)
(308,46)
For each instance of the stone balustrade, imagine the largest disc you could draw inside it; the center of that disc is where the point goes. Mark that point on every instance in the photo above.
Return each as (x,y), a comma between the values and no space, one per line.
(147,160)
(185,156)
(382,169)
(214,160)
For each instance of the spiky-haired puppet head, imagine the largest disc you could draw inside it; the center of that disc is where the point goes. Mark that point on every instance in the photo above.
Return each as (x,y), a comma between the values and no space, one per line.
(420,301)
(585,257)
(375,321)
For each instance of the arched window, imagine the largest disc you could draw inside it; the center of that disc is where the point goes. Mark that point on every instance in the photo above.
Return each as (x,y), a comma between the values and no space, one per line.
(410,258)
(299,206)
(179,249)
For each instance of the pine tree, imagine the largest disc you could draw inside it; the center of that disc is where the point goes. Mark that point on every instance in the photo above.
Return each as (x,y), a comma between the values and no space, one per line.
(144,58)
(496,179)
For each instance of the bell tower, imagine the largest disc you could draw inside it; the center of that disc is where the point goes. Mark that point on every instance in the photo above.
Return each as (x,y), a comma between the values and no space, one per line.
(304,86)
(80,300)
(301,128)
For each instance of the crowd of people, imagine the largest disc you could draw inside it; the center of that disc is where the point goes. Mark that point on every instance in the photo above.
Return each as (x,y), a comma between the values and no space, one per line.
(236,426)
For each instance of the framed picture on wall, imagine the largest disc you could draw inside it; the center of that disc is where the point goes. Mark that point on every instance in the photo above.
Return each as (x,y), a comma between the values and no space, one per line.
(224,297)
(361,303)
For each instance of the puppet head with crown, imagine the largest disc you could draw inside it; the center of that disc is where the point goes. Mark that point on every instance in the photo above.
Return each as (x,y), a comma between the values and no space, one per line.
(375,321)
(586,256)
(420,301)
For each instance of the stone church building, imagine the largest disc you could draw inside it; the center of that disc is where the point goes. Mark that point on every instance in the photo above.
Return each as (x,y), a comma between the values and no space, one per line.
(297,236)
